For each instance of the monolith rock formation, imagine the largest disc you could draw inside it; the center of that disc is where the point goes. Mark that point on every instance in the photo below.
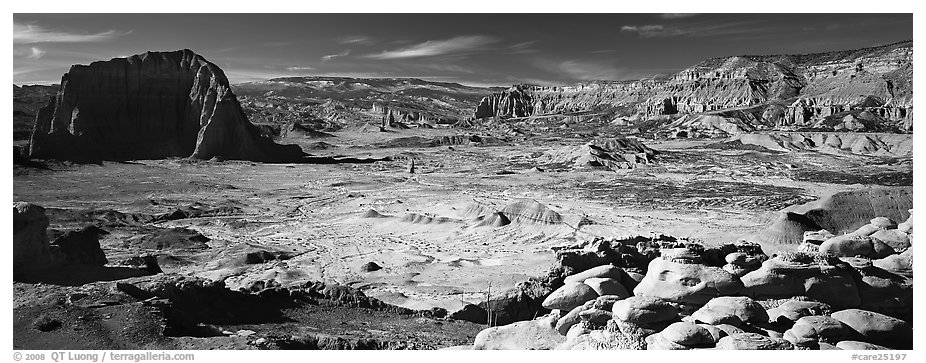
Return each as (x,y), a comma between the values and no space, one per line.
(150,106)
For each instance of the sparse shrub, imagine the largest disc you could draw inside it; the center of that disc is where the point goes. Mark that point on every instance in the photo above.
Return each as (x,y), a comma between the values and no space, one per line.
(802,257)
(615,339)
(46,323)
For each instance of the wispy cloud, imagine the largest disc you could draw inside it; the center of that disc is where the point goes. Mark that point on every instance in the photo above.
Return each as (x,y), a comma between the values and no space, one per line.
(437,47)
(247,75)
(30,52)
(587,71)
(355,39)
(580,70)
(224,50)
(697,29)
(333,56)
(35,53)
(277,44)
(299,68)
(646,31)
(523,47)
(527,80)
(32,33)
(676,15)
(447,68)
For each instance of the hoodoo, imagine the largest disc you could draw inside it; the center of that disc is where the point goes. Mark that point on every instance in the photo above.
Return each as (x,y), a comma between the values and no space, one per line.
(150,106)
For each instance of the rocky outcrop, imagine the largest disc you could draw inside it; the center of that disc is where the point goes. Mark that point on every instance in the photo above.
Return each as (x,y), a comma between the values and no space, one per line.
(150,106)
(398,117)
(684,281)
(526,211)
(877,328)
(513,102)
(81,247)
(33,255)
(31,251)
(822,278)
(611,154)
(533,334)
(842,213)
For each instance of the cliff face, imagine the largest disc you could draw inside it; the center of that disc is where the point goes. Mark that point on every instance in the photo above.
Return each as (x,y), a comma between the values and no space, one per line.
(797,90)
(513,102)
(149,106)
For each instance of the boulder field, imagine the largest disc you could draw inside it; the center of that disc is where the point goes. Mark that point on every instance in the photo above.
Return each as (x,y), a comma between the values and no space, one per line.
(850,291)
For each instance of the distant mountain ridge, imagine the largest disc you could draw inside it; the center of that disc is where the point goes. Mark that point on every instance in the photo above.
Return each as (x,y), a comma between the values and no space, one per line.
(333,102)
(820,57)
(815,90)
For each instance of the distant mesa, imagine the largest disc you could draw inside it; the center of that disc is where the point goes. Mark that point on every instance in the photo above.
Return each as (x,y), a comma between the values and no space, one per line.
(372,213)
(611,154)
(416,218)
(150,106)
(523,211)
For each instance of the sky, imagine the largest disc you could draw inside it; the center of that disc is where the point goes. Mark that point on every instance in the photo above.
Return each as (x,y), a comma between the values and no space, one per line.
(473,49)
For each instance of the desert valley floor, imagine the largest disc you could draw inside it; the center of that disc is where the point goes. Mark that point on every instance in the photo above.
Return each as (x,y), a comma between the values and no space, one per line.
(330,220)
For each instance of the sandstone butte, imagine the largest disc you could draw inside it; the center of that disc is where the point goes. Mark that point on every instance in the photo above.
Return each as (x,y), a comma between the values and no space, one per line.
(150,106)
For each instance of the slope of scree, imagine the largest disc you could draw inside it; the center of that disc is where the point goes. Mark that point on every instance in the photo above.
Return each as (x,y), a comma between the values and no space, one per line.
(149,106)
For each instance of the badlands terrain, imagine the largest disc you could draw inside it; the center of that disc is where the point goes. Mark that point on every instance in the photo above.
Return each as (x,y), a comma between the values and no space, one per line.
(751,202)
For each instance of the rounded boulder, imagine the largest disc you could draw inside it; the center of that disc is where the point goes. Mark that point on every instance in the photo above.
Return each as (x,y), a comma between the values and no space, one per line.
(607,286)
(877,328)
(569,296)
(644,310)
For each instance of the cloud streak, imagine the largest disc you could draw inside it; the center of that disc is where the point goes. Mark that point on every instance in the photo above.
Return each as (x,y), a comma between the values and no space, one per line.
(587,71)
(646,31)
(35,53)
(676,15)
(447,68)
(356,39)
(299,68)
(697,30)
(523,47)
(580,70)
(333,56)
(31,34)
(30,53)
(431,48)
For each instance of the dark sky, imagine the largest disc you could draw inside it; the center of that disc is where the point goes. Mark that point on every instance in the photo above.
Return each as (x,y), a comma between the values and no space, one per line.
(475,49)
